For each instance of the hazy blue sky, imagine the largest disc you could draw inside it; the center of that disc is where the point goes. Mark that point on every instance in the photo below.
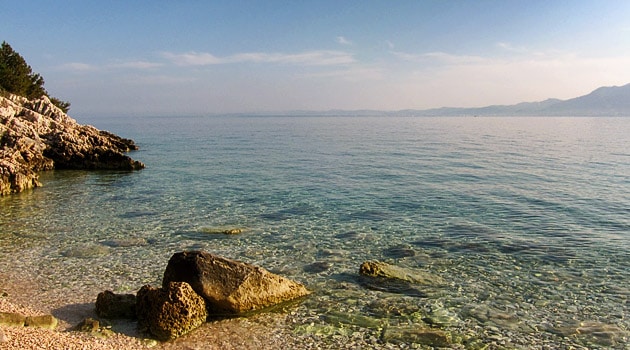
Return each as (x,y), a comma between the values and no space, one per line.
(201,57)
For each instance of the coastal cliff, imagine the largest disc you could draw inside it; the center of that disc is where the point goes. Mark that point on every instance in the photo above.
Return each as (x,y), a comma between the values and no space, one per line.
(35,135)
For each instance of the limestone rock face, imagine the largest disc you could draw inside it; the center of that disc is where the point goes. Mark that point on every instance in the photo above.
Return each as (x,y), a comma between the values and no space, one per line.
(170,312)
(230,287)
(35,135)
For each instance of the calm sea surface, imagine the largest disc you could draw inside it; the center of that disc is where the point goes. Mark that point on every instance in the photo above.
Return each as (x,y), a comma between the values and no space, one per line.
(526,221)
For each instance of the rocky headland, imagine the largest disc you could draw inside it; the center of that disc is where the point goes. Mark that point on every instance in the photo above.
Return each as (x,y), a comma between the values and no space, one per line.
(35,135)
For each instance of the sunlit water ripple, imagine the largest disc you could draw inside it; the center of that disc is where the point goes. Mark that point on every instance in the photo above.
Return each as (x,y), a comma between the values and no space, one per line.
(527,219)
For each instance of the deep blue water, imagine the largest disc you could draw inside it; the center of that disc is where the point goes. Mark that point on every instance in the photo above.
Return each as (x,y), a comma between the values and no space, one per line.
(528,217)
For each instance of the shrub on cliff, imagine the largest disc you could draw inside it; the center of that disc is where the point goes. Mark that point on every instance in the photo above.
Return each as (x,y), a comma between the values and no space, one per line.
(17,77)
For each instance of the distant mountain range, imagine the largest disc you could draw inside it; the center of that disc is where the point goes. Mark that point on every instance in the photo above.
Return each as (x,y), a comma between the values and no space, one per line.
(604,101)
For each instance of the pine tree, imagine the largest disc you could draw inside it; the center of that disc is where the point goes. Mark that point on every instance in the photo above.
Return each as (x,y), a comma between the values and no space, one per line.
(17,77)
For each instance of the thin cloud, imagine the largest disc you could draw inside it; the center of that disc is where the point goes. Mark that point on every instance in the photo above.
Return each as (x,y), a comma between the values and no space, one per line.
(193,59)
(343,41)
(87,67)
(440,57)
(309,58)
(521,50)
(353,73)
(78,67)
(137,65)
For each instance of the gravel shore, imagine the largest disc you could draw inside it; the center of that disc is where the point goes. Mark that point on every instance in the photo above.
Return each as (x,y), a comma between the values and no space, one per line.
(22,295)
(39,338)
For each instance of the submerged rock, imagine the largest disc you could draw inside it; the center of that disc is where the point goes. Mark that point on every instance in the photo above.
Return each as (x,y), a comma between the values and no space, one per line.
(225,231)
(410,334)
(35,135)
(86,251)
(599,333)
(317,267)
(170,312)
(230,287)
(383,269)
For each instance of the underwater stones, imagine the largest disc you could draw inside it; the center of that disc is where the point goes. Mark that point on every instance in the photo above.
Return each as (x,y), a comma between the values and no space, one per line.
(317,267)
(399,251)
(224,231)
(381,276)
(599,333)
(602,333)
(396,307)
(391,285)
(418,335)
(171,311)
(230,287)
(126,242)
(441,317)
(86,251)
(385,270)
(491,316)
(111,305)
(340,319)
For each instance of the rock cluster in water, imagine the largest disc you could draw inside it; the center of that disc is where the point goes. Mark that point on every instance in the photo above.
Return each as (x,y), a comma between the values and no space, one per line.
(230,287)
(35,135)
(198,285)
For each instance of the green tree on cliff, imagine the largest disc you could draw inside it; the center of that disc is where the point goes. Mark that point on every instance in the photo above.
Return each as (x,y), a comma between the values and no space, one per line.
(17,77)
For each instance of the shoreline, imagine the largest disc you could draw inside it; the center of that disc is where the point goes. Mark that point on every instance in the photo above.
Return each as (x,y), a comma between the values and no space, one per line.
(266,331)
(19,295)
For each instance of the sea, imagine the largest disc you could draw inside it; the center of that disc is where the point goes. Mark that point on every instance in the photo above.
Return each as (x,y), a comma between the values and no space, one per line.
(521,225)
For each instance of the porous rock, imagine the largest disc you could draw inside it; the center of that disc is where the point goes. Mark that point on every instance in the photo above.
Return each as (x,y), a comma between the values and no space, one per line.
(170,312)
(112,305)
(230,287)
(35,135)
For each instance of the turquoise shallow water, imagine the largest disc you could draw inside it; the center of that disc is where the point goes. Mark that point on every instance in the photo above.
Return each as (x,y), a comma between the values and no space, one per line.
(526,219)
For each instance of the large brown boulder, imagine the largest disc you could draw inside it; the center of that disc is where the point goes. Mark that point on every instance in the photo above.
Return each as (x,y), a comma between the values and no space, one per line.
(35,135)
(230,287)
(170,312)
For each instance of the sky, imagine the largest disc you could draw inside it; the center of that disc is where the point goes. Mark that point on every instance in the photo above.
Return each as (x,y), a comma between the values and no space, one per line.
(153,58)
